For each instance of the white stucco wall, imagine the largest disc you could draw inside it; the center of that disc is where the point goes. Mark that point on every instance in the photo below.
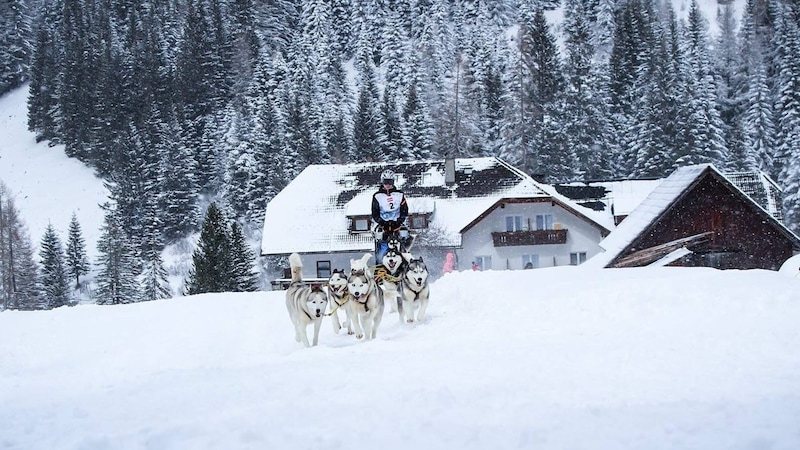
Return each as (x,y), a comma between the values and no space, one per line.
(477,241)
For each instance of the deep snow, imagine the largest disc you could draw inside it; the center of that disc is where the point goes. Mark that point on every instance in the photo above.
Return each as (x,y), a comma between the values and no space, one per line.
(560,358)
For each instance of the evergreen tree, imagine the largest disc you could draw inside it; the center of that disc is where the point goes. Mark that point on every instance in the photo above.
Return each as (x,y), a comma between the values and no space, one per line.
(53,272)
(44,111)
(153,280)
(787,107)
(76,260)
(704,134)
(211,261)
(368,131)
(15,44)
(178,187)
(543,101)
(417,128)
(18,270)
(583,126)
(242,258)
(118,267)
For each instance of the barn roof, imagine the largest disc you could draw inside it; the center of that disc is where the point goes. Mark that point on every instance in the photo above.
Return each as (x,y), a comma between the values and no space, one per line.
(665,195)
(311,215)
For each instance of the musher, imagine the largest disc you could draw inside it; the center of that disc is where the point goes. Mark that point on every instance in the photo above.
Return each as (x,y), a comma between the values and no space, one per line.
(389,212)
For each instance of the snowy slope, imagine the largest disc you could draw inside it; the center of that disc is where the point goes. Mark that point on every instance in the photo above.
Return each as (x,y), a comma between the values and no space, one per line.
(561,358)
(47,186)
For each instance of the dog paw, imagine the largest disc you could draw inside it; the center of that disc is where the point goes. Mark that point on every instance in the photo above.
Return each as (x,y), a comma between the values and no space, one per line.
(351,333)
(410,320)
(359,336)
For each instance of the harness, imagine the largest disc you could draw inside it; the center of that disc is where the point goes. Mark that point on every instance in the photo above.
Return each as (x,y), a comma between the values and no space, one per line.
(338,305)
(382,273)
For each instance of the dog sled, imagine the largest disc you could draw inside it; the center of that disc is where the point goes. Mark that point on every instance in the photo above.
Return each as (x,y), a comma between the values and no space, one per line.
(399,239)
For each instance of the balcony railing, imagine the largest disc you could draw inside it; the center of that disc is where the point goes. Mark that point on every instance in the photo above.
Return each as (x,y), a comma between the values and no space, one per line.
(533,237)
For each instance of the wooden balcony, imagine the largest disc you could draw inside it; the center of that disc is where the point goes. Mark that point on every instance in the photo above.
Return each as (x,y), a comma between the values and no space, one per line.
(533,237)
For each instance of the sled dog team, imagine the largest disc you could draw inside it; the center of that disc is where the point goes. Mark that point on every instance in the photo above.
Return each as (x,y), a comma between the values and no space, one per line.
(399,278)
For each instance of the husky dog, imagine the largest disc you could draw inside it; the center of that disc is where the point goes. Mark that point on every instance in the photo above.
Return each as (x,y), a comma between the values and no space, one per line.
(388,276)
(414,289)
(306,304)
(365,299)
(337,297)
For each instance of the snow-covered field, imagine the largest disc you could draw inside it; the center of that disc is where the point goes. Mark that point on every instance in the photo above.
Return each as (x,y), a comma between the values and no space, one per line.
(561,358)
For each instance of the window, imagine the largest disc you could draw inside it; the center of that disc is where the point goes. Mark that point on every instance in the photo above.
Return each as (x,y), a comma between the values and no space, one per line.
(323,269)
(484,262)
(418,222)
(513,223)
(544,221)
(533,260)
(577,258)
(360,224)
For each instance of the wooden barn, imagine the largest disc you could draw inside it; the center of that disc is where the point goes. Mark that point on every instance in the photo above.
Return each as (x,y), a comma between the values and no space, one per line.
(701,217)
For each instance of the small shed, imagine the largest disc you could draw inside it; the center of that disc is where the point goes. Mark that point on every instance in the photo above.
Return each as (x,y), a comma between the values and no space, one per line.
(699,209)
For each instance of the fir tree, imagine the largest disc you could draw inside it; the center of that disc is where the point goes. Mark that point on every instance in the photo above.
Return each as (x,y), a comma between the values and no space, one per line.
(19,276)
(15,45)
(242,258)
(211,261)
(53,272)
(76,260)
(118,268)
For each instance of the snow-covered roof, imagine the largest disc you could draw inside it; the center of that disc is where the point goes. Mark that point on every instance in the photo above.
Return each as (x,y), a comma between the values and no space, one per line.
(311,215)
(656,203)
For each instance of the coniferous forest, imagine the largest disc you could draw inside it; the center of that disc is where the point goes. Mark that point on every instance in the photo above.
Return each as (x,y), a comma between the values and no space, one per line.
(179,102)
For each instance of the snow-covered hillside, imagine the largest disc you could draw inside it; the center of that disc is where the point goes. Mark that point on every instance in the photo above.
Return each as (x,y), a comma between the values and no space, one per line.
(47,186)
(563,358)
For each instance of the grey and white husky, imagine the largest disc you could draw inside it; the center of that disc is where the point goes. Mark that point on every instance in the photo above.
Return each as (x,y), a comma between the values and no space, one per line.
(390,274)
(306,303)
(414,289)
(337,298)
(365,299)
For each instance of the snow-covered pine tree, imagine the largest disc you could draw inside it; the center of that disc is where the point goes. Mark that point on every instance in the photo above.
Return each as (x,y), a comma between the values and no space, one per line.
(118,268)
(211,261)
(19,287)
(787,107)
(76,260)
(368,131)
(543,100)
(53,272)
(242,258)
(705,139)
(178,186)
(417,127)
(726,59)
(583,126)
(15,44)
(43,106)
(153,279)
(658,115)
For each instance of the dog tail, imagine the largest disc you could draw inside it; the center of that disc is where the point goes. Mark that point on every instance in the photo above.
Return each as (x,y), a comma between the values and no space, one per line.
(364,260)
(297,267)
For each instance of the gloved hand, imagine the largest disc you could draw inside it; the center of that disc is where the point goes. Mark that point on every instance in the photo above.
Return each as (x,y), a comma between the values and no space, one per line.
(390,226)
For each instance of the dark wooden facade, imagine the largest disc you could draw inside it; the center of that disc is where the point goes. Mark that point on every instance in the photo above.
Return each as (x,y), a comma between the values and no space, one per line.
(741,235)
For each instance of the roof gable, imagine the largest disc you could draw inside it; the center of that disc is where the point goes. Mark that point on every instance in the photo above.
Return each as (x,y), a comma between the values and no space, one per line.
(665,196)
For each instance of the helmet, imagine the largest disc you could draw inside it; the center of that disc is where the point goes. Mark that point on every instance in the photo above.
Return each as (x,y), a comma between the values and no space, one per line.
(387,176)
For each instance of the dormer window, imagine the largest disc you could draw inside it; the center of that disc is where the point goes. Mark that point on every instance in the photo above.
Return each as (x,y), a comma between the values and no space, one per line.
(360,224)
(418,222)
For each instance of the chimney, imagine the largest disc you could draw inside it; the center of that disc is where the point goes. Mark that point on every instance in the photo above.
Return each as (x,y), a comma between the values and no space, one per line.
(449,170)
